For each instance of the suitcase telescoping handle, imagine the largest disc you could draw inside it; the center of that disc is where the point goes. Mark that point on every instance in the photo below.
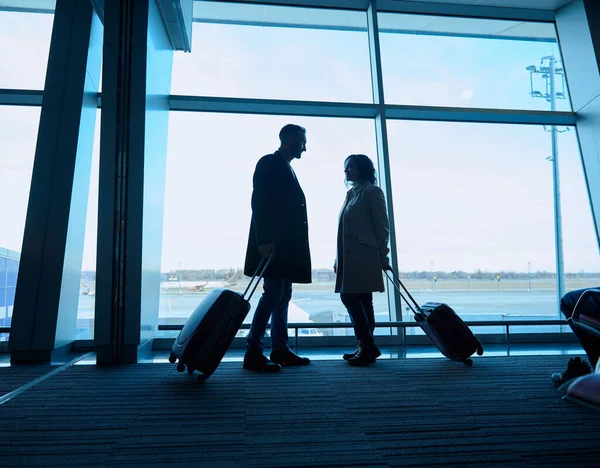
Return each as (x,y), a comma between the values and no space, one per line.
(262,272)
(416,309)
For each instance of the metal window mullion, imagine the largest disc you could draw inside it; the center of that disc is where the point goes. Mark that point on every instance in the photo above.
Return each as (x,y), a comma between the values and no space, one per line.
(394,299)
(21,97)
(368,110)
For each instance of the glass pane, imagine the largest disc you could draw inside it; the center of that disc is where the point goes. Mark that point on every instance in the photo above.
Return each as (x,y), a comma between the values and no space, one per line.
(474,212)
(12,270)
(3,307)
(580,244)
(10,301)
(257,51)
(87,292)
(18,135)
(207,208)
(24,47)
(467,62)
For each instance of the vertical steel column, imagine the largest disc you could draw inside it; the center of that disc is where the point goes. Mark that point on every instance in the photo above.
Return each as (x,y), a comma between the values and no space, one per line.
(125,21)
(45,311)
(135,116)
(385,181)
(560,269)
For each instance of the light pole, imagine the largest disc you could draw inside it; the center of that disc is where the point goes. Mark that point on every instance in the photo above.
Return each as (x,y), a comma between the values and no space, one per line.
(432,279)
(548,71)
(180,293)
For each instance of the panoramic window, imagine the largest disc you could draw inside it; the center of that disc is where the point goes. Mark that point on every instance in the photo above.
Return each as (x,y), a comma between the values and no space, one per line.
(24,47)
(275,52)
(210,163)
(474,210)
(474,203)
(467,62)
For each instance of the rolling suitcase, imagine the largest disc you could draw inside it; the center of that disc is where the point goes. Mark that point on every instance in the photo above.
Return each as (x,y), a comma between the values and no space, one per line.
(443,326)
(210,329)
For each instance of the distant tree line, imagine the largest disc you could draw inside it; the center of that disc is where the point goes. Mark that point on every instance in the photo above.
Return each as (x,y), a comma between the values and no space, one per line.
(490,275)
(203,275)
(325,274)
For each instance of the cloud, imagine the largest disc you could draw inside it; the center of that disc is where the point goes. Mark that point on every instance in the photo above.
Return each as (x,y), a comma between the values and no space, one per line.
(467,95)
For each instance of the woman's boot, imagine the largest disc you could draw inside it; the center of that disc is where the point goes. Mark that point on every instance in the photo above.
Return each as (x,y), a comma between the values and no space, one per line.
(348,356)
(366,355)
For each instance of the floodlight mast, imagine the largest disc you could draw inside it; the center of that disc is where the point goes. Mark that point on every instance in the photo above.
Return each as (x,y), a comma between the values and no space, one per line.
(548,73)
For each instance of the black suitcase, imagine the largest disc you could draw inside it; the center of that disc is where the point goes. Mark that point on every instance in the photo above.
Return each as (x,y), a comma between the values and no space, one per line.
(210,329)
(443,326)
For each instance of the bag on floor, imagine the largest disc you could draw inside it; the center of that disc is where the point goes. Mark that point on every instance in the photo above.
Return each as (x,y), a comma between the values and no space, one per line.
(210,330)
(443,326)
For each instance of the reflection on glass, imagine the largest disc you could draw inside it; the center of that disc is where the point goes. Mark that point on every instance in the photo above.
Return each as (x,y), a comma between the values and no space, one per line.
(24,47)
(278,53)
(87,291)
(475,219)
(18,134)
(9,266)
(467,62)
(210,162)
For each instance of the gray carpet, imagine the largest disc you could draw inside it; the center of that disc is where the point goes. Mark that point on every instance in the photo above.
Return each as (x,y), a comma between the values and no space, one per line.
(11,378)
(413,412)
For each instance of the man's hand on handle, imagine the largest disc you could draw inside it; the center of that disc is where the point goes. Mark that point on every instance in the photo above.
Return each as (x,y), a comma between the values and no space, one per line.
(264,250)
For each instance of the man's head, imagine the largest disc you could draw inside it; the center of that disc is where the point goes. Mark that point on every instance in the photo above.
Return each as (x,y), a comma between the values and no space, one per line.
(293,140)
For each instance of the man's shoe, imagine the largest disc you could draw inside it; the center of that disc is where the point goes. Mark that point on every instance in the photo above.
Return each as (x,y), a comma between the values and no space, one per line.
(348,356)
(286,357)
(256,361)
(575,368)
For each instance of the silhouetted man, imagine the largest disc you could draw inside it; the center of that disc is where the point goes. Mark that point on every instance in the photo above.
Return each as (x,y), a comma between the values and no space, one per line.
(279,227)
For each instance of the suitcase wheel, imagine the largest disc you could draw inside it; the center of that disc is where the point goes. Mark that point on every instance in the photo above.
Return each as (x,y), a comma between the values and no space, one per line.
(180,367)
(190,369)
(468,362)
(172,358)
(479,351)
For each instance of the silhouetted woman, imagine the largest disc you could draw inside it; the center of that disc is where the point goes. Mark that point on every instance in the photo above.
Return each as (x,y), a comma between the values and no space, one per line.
(362,249)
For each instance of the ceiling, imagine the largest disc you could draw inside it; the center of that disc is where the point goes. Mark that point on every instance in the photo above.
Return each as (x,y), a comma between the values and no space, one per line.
(550,5)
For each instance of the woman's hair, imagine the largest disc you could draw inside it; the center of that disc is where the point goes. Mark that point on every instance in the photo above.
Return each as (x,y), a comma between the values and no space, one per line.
(365,167)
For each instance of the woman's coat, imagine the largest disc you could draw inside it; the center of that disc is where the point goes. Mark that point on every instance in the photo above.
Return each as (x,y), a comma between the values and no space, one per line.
(362,241)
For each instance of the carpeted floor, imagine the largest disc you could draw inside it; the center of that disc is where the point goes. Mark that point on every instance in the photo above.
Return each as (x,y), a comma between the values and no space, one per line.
(417,412)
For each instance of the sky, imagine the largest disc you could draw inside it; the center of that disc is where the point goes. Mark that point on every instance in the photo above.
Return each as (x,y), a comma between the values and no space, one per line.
(465,196)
